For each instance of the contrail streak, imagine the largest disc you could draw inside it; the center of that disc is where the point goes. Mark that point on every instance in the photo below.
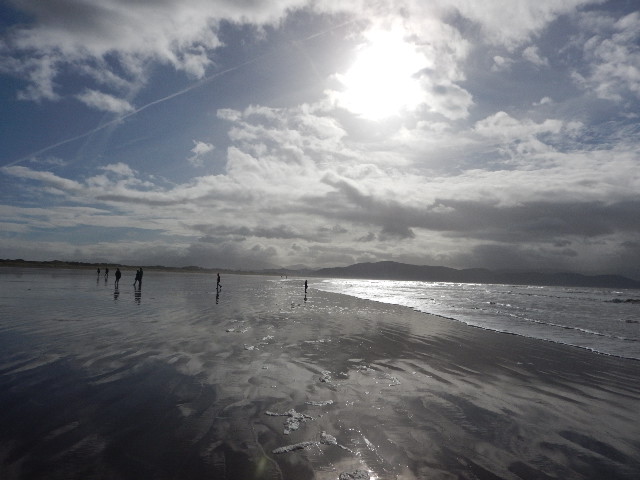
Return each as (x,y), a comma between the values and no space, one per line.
(198,84)
(134,112)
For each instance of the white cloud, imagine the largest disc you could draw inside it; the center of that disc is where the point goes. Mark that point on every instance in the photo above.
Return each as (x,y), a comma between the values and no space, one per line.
(47,178)
(613,56)
(83,34)
(38,71)
(544,101)
(51,160)
(503,125)
(200,151)
(512,22)
(532,54)
(501,63)
(104,101)
(119,168)
(525,141)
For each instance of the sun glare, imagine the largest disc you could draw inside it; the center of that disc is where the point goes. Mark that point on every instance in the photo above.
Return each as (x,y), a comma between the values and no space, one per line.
(382,81)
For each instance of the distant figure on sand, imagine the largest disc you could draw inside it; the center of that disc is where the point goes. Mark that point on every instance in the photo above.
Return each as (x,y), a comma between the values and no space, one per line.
(106,273)
(118,275)
(218,284)
(305,287)
(138,278)
(98,271)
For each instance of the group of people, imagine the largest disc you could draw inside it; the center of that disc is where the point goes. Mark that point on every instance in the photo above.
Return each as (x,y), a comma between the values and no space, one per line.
(139,273)
(138,279)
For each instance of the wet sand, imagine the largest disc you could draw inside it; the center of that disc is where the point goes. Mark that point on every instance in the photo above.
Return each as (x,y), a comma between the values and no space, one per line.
(276,387)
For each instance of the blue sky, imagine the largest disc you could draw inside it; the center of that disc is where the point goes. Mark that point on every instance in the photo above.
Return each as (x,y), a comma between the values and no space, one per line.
(498,134)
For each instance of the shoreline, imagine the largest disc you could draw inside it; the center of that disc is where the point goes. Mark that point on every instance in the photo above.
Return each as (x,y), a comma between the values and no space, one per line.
(546,340)
(592,336)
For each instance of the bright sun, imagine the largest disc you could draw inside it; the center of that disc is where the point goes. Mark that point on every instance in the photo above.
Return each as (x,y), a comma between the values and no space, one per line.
(382,81)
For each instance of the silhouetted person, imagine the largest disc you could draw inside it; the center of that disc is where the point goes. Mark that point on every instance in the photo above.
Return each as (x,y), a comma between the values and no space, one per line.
(306,285)
(218,284)
(138,278)
(118,275)
(106,273)
(98,271)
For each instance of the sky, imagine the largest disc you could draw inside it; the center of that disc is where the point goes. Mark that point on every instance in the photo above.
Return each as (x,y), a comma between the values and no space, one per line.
(501,134)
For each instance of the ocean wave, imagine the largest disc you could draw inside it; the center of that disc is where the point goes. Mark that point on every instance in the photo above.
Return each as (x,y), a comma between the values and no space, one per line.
(585,318)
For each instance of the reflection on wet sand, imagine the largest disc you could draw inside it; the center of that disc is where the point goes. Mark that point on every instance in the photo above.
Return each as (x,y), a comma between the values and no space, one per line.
(270,385)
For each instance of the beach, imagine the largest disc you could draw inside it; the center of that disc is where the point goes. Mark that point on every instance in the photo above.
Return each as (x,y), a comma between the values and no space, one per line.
(177,381)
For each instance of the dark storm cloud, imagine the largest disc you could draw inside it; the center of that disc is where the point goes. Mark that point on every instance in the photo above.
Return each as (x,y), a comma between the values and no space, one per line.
(222,254)
(370,237)
(335,230)
(279,231)
(556,222)
(518,257)
(355,206)
(533,221)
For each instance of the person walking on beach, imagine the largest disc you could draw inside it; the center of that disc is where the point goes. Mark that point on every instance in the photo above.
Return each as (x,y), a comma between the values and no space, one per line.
(118,275)
(138,278)
(98,271)
(218,284)
(106,273)
(306,285)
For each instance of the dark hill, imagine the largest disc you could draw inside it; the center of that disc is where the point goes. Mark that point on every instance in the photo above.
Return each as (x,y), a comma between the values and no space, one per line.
(402,271)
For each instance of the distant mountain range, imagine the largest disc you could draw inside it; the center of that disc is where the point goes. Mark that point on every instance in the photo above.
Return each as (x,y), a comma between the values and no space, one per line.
(402,271)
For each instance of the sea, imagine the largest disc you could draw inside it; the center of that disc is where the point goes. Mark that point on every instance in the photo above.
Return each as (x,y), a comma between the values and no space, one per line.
(603,320)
